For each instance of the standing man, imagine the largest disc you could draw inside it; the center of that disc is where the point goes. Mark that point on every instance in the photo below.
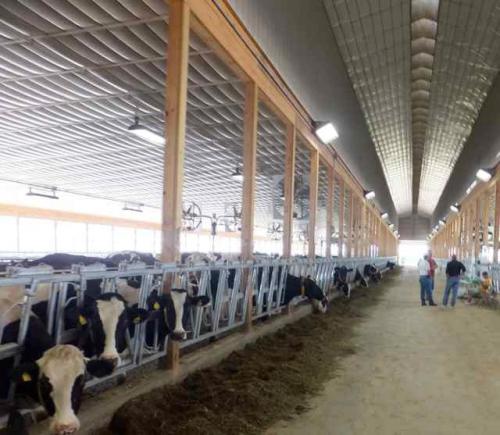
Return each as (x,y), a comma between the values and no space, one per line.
(433,266)
(454,270)
(425,281)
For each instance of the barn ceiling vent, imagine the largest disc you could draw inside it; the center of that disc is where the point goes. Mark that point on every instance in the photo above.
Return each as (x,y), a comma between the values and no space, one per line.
(424,15)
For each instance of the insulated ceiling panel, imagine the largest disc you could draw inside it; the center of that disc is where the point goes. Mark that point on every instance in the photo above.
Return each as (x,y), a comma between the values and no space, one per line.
(374,39)
(73,76)
(466,61)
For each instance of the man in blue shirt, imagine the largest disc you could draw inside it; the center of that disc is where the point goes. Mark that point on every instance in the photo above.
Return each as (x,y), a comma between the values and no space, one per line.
(454,270)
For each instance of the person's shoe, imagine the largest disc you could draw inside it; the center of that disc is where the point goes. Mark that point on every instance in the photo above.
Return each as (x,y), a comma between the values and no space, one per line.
(424,304)
(432,304)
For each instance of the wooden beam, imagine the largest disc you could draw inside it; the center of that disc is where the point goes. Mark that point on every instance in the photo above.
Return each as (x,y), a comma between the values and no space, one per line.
(249,162)
(313,202)
(341,218)
(496,222)
(329,210)
(289,187)
(175,128)
(175,135)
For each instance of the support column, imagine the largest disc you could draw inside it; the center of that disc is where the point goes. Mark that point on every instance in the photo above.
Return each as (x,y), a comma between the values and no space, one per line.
(477,220)
(248,201)
(313,202)
(349,226)
(249,163)
(356,227)
(496,222)
(485,218)
(329,211)
(341,218)
(175,132)
(289,183)
(175,128)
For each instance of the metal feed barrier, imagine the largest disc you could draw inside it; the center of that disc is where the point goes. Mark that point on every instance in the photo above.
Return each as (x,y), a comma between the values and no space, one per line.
(226,311)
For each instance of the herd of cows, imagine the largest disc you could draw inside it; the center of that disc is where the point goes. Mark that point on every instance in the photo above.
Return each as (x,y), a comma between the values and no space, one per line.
(55,374)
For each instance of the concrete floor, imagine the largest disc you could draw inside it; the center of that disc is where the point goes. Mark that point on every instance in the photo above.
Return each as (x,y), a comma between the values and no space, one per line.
(418,370)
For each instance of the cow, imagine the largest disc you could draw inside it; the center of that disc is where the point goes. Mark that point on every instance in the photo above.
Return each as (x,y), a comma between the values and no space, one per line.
(390,265)
(172,309)
(131,257)
(340,280)
(51,374)
(372,272)
(305,286)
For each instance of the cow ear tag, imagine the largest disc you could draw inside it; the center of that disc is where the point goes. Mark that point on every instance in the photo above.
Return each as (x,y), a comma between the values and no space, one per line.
(82,320)
(137,320)
(156,306)
(26,377)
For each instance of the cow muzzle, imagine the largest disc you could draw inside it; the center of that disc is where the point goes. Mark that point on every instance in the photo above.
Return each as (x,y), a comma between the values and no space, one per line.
(65,428)
(179,335)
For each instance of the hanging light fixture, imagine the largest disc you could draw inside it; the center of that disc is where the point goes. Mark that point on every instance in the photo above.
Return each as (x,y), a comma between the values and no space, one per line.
(326,132)
(442,222)
(140,131)
(133,207)
(484,175)
(369,194)
(237,175)
(455,208)
(43,192)
(384,215)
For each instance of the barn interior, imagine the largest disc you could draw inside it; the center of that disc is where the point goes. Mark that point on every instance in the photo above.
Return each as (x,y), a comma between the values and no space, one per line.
(220,146)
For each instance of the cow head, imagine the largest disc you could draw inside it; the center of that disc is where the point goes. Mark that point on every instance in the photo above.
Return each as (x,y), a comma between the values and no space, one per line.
(315,293)
(104,322)
(174,307)
(58,378)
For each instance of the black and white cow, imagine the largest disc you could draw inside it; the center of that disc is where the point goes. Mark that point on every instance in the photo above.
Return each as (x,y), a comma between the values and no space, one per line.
(51,374)
(131,257)
(305,286)
(340,280)
(372,272)
(172,311)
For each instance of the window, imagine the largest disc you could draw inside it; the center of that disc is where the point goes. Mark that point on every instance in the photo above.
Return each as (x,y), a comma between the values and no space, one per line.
(123,239)
(145,240)
(71,237)
(36,235)
(100,238)
(8,234)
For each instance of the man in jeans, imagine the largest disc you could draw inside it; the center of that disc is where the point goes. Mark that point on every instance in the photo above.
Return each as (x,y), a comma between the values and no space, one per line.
(425,281)
(454,270)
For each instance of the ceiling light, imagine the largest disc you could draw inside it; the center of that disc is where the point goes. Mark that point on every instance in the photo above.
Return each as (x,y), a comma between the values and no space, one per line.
(237,175)
(133,207)
(369,194)
(326,133)
(484,175)
(43,192)
(142,132)
(442,222)
(384,215)
(455,208)
(471,187)
(391,226)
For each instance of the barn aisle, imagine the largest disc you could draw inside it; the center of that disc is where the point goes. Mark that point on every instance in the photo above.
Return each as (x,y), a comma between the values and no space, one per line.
(417,370)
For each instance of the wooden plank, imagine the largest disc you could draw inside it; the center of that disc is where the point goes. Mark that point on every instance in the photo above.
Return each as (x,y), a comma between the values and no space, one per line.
(249,167)
(175,133)
(329,211)
(496,222)
(289,187)
(313,202)
(341,219)
(175,128)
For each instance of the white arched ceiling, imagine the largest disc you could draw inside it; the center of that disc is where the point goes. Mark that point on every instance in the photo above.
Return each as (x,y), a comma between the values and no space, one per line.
(374,39)
(466,61)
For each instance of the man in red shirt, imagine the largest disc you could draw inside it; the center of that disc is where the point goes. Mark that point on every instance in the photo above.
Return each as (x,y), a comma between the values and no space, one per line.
(432,269)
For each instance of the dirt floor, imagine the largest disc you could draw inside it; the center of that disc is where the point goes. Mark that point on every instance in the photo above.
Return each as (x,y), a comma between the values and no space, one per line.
(417,370)
(270,380)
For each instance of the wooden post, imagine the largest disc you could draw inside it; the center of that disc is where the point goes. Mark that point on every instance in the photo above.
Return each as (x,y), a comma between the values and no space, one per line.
(349,226)
(485,217)
(497,221)
(248,201)
(356,227)
(341,218)
(477,222)
(313,202)
(329,211)
(288,183)
(175,132)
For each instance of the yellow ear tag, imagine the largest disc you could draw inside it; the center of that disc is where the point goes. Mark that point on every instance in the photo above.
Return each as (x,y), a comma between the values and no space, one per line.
(156,306)
(26,377)
(137,320)
(82,320)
